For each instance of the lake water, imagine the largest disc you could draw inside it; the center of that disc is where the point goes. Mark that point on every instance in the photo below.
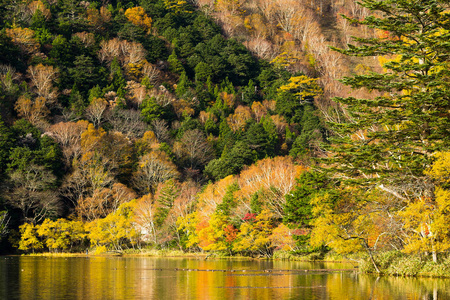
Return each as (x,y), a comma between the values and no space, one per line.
(181,278)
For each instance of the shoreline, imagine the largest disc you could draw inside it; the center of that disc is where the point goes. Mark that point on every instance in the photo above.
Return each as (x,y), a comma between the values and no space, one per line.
(417,267)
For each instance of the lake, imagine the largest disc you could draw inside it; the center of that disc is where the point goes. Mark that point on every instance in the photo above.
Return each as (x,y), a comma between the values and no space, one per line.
(182,278)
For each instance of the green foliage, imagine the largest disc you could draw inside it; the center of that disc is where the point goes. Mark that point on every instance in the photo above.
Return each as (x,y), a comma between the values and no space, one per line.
(175,65)
(392,136)
(228,201)
(249,93)
(95,92)
(32,148)
(260,141)
(77,102)
(231,162)
(288,106)
(165,199)
(182,85)
(156,48)
(150,110)
(298,207)
(10,53)
(61,51)
(203,72)
(256,203)
(85,74)
(311,133)
(117,79)
(38,20)
(6,143)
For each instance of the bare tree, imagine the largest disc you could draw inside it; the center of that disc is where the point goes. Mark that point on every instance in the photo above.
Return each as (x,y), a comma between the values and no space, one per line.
(127,121)
(193,149)
(136,93)
(96,110)
(68,136)
(161,130)
(87,38)
(30,191)
(42,79)
(261,47)
(4,221)
(154,168)
(151,72)
(126,52)
(145,217)
(104,201)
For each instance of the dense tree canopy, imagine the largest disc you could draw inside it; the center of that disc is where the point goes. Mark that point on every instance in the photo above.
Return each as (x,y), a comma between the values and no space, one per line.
(391,137)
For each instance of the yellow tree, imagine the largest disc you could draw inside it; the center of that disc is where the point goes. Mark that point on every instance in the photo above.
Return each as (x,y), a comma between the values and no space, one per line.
(98,18)
(147,143)
(238,120)
(282,238)
(116,231)
(61,234)
(254,236)
(352,220)
(302,86)
(138,17)
(34,6)
(258,110)
(212,195)
(33,110)
(29,238)
(189,226)
(426,220)
(232,7)
(215,236)
(177,6)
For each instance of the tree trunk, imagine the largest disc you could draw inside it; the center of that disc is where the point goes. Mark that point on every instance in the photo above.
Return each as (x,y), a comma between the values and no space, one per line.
(371,257)
(433,251)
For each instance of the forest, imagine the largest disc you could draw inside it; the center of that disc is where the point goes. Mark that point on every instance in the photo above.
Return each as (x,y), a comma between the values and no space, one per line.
(234,127)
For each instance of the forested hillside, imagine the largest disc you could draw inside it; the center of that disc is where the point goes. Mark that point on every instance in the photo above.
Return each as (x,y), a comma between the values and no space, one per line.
(211,125)
(103,103)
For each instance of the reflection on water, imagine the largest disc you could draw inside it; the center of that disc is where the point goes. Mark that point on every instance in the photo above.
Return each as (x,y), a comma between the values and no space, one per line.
(175,278)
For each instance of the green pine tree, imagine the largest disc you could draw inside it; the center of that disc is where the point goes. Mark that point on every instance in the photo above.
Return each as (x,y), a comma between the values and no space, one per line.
(390,138)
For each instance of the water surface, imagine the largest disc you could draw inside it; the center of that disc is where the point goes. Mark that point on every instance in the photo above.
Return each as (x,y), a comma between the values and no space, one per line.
(181,278)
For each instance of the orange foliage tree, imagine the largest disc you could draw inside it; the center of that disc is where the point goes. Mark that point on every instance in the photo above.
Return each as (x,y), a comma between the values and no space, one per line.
(275,176)
(24,39)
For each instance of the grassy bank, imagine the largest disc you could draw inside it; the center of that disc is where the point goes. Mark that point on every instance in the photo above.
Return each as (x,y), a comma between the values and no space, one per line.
(401,264)
(278,255)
